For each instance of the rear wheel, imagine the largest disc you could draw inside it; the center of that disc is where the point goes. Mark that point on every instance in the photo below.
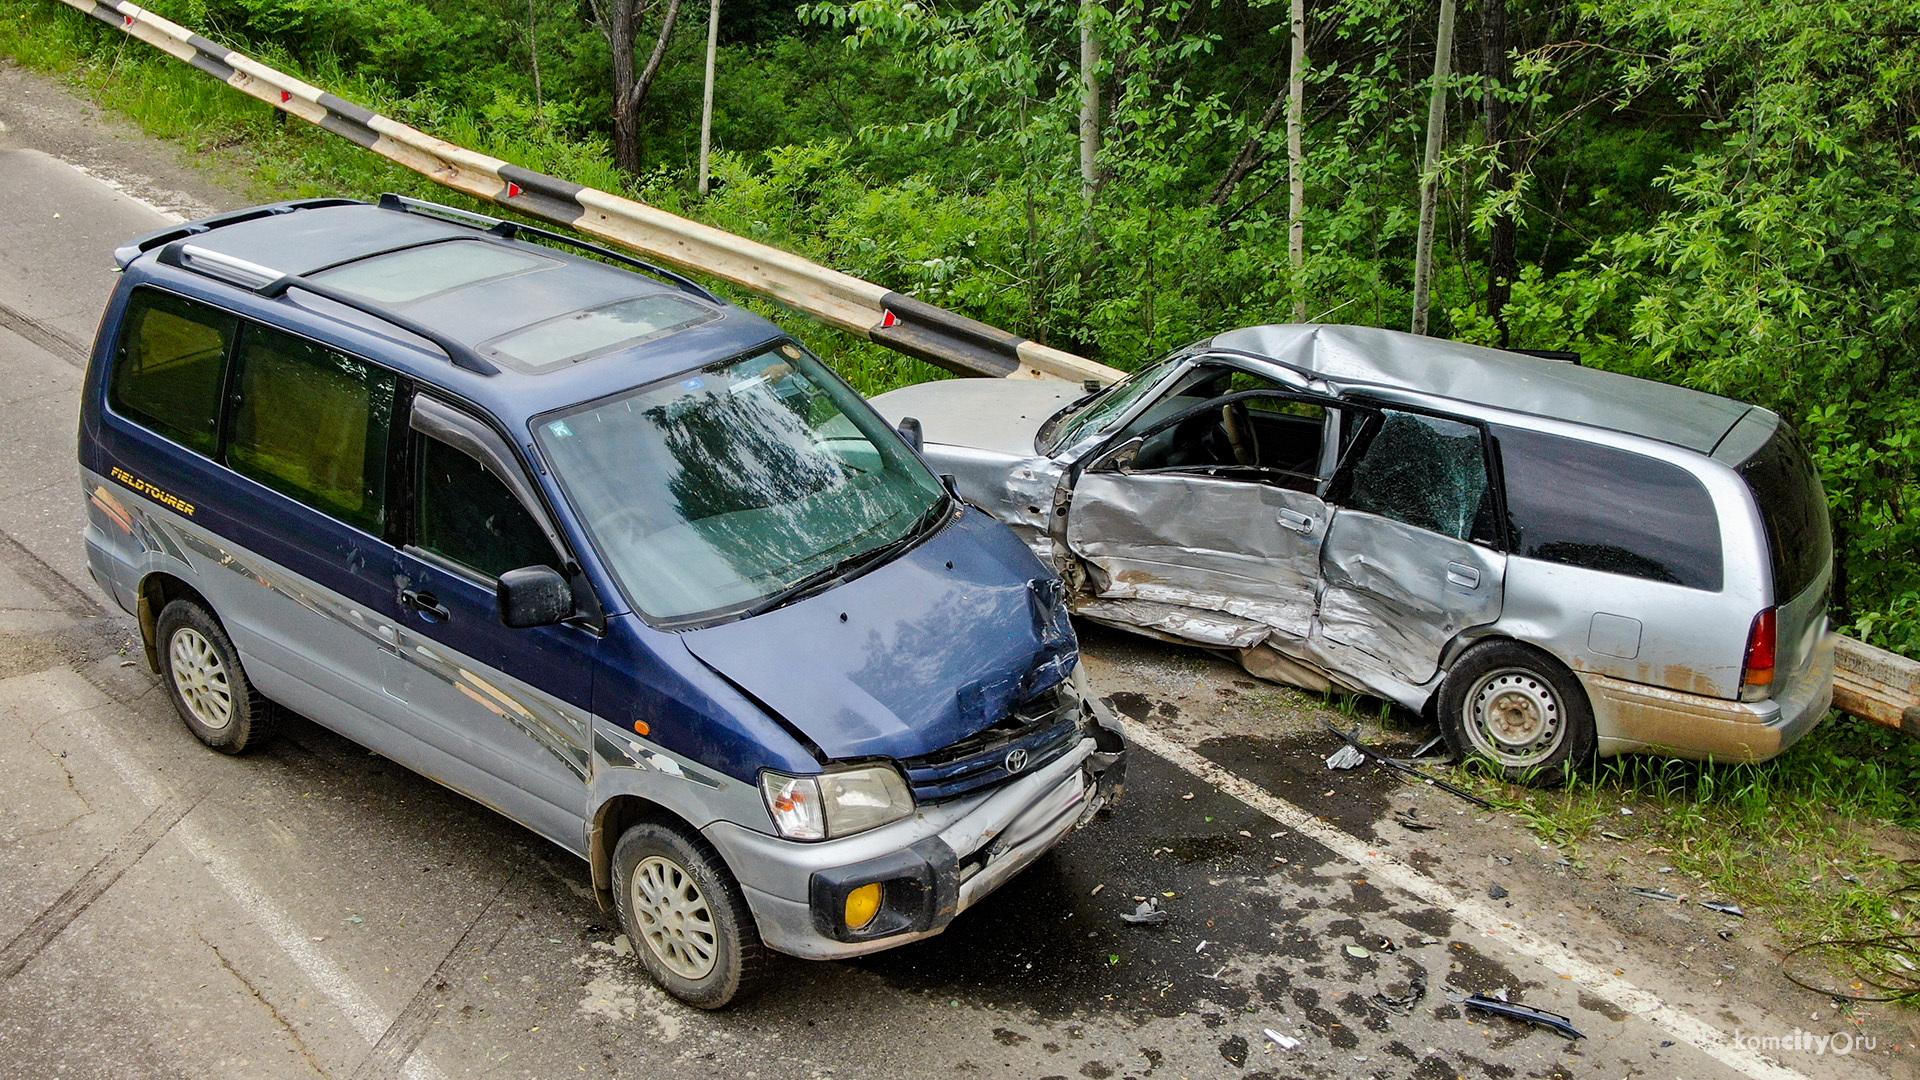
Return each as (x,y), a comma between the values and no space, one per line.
(688,922)
(202,673)
(1518,708)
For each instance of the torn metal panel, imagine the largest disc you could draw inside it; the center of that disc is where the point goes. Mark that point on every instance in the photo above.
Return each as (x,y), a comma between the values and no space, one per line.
(1398,595)
(1186,623)
(1252,550)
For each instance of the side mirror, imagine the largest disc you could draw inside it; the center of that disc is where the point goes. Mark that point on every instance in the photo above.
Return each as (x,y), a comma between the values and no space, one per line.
(910,431)
(1122,457)
(533,596)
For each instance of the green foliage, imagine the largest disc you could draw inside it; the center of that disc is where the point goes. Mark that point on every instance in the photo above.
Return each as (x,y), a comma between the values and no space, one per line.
(1713,192)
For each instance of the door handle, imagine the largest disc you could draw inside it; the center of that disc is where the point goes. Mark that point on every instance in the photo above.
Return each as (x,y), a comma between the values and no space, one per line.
(1463,575)
(423,602)
(1297,521)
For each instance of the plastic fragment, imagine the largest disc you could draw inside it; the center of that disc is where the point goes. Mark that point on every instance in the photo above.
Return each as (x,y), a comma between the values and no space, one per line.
(1415,992)
(1346,758)
(1724,907)
(1409,818)
(1497,892)
(1655,894)
(1359,952)
(1149,913)
(1551,1021)
(1282,1041)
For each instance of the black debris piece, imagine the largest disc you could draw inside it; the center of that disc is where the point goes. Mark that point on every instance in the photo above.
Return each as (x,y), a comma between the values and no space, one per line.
(1406,1001)
(1724,908)
(1551,1021)
(1409,818)
(1496,892)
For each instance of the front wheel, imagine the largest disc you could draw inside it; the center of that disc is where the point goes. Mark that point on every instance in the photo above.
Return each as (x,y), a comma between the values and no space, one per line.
(1520,709)
(688,922)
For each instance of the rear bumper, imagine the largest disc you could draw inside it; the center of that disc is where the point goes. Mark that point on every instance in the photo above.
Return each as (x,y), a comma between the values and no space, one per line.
(931,866)
(1629,716)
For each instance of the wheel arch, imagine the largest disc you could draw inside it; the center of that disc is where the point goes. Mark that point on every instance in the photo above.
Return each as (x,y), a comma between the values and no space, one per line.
(157,590)
(611,821)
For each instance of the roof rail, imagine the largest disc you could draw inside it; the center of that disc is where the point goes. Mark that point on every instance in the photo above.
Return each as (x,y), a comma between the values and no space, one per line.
(510,230)
(270,283)
(1550,354)
(128,252)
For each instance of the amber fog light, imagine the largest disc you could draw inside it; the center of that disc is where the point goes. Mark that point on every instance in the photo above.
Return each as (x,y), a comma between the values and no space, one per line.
(863,904)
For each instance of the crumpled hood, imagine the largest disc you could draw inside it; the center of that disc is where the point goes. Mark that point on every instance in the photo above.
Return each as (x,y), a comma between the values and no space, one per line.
(1001,415)
(910,657)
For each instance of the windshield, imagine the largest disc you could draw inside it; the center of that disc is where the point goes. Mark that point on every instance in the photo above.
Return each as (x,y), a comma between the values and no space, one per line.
(1101,410)
(710,491)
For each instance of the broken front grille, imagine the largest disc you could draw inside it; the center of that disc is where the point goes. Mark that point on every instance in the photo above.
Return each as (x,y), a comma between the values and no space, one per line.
(1044,728)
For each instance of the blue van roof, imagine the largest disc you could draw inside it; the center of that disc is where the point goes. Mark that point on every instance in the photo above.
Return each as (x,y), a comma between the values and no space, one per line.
(308,239)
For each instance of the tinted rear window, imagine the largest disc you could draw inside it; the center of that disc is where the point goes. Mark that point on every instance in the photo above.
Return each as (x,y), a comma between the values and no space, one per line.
(1596,507)
(1794,510)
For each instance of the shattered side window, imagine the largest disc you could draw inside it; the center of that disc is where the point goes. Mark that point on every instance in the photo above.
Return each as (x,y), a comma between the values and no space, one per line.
(1427,472)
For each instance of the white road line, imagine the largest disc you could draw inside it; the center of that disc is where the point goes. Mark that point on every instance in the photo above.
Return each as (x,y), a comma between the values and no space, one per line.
(327,977)
(1386,870)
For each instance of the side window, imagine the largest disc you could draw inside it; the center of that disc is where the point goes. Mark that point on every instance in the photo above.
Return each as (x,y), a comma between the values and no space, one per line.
(168,375)
(313,424)
(1427,472)
(1576,503)
(466,514)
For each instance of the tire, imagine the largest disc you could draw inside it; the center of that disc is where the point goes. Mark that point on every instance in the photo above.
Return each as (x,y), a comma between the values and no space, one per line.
(201,671)
(688,922)
(1520,709)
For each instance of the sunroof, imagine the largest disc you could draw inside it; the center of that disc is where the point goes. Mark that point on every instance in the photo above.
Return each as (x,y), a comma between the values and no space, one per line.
(621,324)
(400,277)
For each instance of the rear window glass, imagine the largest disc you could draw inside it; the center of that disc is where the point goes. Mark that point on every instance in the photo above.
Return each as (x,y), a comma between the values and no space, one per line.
(403,276)
(168,374)
(1596,507)
(1794,510)
(621,324)
(312,424)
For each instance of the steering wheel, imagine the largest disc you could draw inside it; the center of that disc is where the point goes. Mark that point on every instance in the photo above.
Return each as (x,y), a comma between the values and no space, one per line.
(1240,433)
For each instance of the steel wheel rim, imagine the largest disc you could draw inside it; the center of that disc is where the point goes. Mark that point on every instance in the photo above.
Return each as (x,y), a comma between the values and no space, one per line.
(200,678)
(674,918)
(1514,717)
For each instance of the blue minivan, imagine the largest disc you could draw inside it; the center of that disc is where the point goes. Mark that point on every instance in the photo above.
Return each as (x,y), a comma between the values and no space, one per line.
(568,534)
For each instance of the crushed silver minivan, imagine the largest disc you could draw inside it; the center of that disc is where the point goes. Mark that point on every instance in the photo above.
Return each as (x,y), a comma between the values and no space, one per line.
(1551,561)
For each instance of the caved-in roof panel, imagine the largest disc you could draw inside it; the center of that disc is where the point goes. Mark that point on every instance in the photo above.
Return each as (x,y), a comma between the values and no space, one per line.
(1497,378)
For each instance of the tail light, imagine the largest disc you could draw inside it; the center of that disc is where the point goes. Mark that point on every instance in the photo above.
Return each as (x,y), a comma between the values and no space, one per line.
(1756,675)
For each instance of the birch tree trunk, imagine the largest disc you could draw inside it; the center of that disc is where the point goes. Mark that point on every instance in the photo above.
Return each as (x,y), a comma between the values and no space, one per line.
(706,97)
(1089,102)
(1502,263)
(1429,171)
(1296,167)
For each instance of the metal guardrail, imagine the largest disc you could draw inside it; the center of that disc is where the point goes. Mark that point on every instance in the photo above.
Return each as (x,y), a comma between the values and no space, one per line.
(888,318)
(1869,682)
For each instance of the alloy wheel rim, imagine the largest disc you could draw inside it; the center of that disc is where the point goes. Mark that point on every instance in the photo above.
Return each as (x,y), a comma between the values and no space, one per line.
(1514,717)
(674,918)
(200,678)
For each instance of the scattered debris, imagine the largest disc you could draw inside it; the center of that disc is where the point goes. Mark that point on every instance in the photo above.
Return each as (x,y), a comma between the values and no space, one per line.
(1282,1041)
(1347,757)
(1497,892)
(1097,888)
(1655,894)
(1725,935)
(1426,746)
(1552,1021)
(1724,908)
(1149,913)
(1402,766)
(1409,818)
(1407,1001)
(1359,952)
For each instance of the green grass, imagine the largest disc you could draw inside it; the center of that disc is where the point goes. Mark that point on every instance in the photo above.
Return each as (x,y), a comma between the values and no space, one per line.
(270,156)
(1813,841)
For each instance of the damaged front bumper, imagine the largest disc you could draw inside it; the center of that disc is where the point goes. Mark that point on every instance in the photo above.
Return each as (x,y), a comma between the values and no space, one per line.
(931,866)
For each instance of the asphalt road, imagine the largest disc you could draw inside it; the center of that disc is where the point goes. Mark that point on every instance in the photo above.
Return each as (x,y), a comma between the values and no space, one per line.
(312,909)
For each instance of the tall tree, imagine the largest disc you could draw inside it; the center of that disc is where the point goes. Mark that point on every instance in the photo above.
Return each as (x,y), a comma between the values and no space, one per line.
(619,21)
(1430,167)
(1089,100)
(1296,165)
(1498,71)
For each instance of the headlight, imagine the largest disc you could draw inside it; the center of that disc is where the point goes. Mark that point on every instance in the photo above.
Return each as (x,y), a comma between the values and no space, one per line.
(835,804)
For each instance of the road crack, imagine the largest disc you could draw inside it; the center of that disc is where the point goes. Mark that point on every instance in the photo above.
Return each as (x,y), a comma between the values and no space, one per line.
(306,1052)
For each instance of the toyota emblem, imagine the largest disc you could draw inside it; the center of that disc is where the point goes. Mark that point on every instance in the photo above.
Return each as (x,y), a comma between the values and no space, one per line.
(1016,761)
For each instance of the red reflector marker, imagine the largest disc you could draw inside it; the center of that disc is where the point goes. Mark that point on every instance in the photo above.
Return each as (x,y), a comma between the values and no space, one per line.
(513,190)
(1761,642)
(286,96)
(888,319)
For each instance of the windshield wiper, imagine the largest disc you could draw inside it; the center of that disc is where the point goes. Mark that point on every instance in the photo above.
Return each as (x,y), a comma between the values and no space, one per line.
(830,575)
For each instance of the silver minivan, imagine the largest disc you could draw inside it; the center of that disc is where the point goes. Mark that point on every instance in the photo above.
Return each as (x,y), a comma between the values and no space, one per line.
(1551,561)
